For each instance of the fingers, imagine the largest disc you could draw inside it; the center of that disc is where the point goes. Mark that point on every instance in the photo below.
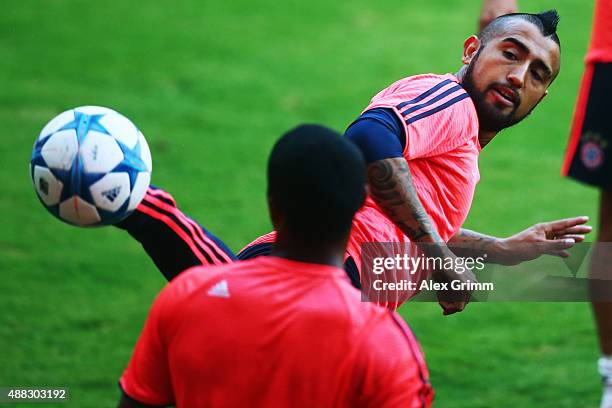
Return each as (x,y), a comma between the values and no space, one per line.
(450,308)
(560,244)
(561,225)
(575,237)
(580,229)
(554,247)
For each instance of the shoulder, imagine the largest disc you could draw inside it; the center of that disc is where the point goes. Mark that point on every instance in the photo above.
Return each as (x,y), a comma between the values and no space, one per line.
(433,94)
(436,112)
(422,96)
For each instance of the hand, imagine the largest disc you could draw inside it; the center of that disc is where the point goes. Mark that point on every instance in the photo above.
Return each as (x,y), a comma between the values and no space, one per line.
(491,9)
(449,308)
(453,301)
(551,238)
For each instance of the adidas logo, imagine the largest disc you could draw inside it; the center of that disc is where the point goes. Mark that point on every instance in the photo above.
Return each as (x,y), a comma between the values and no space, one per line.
(112,194)
(219,289)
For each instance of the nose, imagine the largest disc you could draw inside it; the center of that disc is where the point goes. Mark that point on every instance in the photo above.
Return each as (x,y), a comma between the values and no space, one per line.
(516,77)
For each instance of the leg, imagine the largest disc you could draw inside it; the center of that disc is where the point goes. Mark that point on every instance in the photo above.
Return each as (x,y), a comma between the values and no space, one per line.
(600,271)
(601,266)
(588,160)
(262,246)
(173,241)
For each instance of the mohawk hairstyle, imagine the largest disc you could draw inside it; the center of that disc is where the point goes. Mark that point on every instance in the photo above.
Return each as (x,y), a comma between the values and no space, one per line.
(546,22)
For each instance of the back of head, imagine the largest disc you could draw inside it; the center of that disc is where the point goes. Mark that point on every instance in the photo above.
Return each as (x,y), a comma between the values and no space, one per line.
(316,184)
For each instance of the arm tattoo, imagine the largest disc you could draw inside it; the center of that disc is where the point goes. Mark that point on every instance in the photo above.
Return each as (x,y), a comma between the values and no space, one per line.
(471,243)
(392,189)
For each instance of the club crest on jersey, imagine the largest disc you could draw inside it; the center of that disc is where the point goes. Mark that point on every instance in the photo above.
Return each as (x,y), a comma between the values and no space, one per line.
(591,152)
(112,194)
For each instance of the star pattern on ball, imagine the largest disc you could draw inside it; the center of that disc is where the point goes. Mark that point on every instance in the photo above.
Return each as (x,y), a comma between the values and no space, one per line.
(83,123)
(131,164)
(87,167)
(131,159)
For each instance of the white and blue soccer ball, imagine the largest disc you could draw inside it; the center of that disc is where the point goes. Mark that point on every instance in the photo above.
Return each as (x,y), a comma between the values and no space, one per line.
(90,166)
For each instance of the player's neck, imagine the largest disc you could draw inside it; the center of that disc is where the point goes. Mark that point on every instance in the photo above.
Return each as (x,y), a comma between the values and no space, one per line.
(331,255)
(485,136)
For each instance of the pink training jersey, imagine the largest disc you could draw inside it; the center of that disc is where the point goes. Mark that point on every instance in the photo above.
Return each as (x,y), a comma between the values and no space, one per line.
(442,148)
(271,332)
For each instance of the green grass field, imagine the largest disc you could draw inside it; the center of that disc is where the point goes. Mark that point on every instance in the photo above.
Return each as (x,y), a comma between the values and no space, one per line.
(212,85)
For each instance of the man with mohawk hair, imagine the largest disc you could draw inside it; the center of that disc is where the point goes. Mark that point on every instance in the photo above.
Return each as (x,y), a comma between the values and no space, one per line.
(422,136)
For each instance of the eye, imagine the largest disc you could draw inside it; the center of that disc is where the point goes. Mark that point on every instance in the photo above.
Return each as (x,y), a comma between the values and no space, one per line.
(509,55)
(536,75)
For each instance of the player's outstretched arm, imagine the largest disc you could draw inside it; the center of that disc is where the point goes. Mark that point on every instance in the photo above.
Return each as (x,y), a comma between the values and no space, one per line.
(392,188)
(547,238)
(174,241)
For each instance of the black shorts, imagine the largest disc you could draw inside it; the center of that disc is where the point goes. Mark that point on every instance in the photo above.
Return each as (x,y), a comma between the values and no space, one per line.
(588,157)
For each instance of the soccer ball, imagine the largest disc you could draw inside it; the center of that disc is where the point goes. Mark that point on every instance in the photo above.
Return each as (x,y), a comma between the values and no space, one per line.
(90,166)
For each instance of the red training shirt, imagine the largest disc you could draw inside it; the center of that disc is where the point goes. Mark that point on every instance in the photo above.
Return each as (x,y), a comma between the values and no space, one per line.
(273,332)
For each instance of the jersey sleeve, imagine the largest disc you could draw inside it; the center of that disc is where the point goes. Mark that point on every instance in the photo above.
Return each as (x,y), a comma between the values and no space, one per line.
(378,133)
(147,377)
(174,241)
(392,366)
(441,129)
(437,115)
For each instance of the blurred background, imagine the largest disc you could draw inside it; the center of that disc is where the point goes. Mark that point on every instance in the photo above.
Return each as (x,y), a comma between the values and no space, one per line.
(212,85)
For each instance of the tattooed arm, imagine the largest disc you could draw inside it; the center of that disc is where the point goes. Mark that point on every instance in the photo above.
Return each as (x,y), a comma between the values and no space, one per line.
(474,244)
(392,189)
(551,238)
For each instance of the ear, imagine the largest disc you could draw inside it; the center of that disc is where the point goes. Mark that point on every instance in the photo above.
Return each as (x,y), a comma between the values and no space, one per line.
(275,215)
(470,48)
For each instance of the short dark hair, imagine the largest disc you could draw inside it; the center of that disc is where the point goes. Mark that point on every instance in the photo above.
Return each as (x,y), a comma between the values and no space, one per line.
(316,178)
(546,21)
